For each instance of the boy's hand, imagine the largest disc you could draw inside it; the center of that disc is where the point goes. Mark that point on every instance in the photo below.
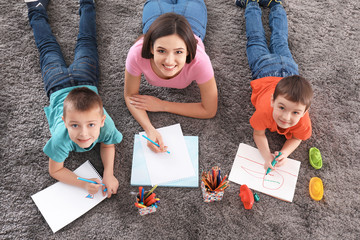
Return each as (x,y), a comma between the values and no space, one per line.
(268,160)
(268,165)
(156,137)
(93,188)
(112,185)
(281,160)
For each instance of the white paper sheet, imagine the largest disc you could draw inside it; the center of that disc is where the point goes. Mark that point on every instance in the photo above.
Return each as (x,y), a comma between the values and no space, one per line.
(248,168)
(60,203)
(164,167)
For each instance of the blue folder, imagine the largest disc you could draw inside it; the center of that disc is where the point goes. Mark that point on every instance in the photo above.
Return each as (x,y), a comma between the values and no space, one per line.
(139,171)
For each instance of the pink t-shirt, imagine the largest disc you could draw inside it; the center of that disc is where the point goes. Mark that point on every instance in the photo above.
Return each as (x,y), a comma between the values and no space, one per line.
(200,68)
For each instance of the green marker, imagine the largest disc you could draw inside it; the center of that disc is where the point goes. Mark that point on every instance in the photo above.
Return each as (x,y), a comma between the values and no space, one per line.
(273,163)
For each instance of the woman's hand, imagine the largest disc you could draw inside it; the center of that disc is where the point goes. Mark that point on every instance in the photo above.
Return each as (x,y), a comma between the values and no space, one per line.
(147,103)
(156,137)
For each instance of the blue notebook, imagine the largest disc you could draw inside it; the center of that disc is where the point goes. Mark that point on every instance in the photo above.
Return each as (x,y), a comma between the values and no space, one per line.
(139,172)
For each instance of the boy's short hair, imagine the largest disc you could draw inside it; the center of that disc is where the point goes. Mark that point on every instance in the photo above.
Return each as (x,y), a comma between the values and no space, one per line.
(82,99)
(169,24)
(296,89)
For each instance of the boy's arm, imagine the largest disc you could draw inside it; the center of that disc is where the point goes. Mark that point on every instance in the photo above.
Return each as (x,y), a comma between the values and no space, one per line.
(107,153)
(263,146)
(289,146)
(62,174)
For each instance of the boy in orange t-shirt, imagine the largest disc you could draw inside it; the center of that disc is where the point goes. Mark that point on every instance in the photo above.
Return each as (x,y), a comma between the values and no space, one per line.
(280,96)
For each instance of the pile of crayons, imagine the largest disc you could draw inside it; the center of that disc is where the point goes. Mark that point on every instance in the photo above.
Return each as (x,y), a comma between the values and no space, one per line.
(213,181)
(146,199)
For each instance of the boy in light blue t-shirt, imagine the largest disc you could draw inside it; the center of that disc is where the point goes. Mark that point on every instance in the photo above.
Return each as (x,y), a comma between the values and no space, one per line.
(76,116)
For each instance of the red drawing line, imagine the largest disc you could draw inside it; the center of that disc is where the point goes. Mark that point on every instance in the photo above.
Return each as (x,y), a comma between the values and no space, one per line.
(250,160)
(263,165)
(263,175)
(281,183)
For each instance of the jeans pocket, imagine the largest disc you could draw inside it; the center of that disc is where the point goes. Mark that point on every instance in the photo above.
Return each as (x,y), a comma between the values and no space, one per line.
(52,70)
(86,66)
(50,73)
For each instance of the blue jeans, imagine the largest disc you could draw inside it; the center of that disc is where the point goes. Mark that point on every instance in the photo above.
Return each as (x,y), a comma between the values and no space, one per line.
(194,11)
(275,60)
(85,68)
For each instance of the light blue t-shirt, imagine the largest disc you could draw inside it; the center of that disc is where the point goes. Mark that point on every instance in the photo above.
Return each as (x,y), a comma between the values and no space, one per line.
(60,144)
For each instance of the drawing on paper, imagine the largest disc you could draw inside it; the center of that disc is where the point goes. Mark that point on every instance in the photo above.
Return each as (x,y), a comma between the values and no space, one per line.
(273,181)
(91,196)
(248,168)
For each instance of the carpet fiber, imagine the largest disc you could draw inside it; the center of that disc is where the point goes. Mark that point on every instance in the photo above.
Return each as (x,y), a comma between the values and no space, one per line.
(324,39)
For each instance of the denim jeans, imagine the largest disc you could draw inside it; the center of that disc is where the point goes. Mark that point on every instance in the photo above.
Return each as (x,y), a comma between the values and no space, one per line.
(85,68)
(194,11)
(275,60)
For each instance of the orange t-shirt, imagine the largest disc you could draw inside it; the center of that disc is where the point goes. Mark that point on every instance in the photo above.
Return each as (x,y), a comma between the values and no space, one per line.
(262,91)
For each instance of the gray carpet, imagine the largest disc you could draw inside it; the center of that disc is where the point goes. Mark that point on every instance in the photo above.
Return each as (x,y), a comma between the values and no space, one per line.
(324,40)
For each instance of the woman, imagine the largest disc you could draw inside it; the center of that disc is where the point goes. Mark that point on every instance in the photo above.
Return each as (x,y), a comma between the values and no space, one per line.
(170,54)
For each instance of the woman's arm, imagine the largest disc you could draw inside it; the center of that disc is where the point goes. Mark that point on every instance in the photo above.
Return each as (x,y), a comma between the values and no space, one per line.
(205,109)
(131,88)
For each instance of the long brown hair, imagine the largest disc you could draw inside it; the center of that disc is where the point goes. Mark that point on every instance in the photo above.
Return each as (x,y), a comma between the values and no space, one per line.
(165,25)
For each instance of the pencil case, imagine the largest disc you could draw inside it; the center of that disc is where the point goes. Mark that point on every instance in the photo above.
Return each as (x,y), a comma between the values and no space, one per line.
(144,211)
(211,196)
(147,210)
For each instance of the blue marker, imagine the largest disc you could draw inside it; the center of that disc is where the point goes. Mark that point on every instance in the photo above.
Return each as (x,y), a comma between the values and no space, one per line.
(90,181)
(273,163)
(153,142)
(142,195)
(218,180)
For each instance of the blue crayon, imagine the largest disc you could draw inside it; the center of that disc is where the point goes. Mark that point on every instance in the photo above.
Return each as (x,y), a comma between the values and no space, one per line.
(90,181)
(153,142)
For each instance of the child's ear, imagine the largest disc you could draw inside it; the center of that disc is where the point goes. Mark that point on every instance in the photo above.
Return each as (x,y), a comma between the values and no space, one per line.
(62,117)
(305,112)
(103,120)
(272,100)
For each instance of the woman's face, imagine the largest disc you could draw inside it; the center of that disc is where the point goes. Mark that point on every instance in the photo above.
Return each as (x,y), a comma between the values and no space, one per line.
(169,56)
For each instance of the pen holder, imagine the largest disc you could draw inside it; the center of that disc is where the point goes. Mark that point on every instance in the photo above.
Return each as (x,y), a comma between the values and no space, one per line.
(211,196)
(144,211)
(147,210)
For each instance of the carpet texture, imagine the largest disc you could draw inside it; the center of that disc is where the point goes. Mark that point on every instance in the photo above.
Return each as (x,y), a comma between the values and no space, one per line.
(324,39)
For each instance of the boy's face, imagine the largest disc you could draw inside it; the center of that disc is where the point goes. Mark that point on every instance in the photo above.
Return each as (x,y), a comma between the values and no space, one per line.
(287,113)
(84,126)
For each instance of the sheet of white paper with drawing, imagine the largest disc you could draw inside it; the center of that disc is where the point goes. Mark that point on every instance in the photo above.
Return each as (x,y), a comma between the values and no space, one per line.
(60,203)
(248,168)
(164,167)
